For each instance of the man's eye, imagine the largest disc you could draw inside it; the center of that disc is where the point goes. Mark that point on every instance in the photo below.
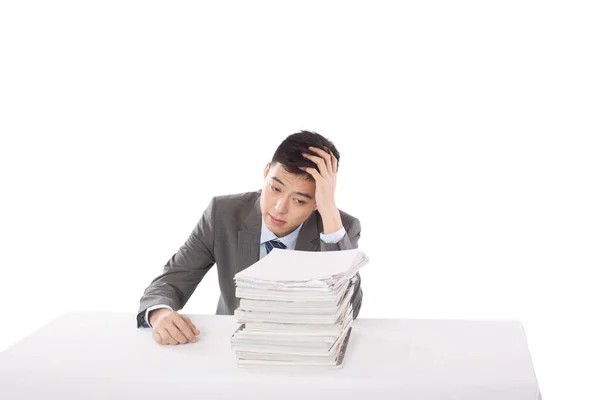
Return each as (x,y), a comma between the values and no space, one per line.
(274,188)
(300,201)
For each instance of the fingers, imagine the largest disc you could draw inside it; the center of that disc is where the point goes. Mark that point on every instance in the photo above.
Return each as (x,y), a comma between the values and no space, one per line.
(175,329)
(156,336)
(323,160)
(320,163)
(326,156)
(185,329)
(176,333)
(163,337)
(191,324)
(334,162)
(313,172)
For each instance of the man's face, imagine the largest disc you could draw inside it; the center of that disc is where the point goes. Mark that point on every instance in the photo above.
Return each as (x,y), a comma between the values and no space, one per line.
(286,200)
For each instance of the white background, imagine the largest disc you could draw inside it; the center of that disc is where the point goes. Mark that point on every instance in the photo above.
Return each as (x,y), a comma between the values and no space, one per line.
(468,135)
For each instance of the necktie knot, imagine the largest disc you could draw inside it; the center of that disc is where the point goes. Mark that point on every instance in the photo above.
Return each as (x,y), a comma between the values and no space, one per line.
(271,244)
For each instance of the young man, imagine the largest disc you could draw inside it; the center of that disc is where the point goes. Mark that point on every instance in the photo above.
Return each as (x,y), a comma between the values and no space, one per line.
(295,210)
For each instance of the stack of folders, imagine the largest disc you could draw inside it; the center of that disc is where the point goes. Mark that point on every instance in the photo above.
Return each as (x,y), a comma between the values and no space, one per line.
(295,308)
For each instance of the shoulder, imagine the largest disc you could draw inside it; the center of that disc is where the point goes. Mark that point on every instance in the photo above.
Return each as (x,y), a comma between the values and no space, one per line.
(237,200)
(233,209)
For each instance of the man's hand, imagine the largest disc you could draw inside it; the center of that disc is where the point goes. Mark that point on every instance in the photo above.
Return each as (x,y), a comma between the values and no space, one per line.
(325,180)
(169,327)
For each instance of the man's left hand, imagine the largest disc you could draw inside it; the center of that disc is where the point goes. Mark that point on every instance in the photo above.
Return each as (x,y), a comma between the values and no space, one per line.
(325,180)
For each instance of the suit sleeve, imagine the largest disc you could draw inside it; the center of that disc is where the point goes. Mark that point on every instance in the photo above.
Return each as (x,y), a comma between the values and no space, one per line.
(184,271)
(348,242)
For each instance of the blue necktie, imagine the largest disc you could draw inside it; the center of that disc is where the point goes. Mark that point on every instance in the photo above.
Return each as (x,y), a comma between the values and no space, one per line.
(274,243)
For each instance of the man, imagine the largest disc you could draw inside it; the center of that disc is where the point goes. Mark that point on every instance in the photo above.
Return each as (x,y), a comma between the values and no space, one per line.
(295,209)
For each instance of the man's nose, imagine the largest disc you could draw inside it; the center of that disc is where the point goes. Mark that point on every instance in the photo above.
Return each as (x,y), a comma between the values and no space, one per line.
(281,206)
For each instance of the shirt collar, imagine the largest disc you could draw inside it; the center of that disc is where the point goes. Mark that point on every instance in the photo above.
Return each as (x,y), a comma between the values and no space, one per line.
(289,240)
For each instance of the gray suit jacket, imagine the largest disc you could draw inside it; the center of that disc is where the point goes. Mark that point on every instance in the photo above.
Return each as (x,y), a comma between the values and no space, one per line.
(228,234)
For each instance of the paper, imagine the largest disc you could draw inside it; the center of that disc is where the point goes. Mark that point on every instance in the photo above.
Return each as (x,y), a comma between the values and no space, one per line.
(295,308)
(304,266)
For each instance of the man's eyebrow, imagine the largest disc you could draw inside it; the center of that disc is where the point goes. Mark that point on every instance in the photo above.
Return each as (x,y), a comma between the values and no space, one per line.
(308,196)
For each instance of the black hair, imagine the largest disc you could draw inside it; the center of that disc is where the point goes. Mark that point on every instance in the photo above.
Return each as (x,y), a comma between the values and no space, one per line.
(289,152)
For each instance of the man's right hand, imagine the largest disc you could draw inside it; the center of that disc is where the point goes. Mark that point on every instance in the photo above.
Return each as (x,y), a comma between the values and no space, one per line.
(169,327)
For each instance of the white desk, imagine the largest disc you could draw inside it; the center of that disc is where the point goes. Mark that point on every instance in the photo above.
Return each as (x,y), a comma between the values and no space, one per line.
(103,356)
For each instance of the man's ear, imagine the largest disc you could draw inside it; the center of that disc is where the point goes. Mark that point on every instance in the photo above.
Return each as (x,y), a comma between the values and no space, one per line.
(267,169)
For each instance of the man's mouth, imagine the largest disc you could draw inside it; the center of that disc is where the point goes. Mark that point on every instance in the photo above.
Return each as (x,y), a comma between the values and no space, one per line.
(276,221)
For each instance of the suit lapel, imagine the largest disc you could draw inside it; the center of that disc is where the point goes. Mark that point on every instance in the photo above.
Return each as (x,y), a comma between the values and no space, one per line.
(249,238)
(309,238)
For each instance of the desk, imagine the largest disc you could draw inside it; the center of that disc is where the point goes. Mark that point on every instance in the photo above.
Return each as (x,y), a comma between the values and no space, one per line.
(103,356)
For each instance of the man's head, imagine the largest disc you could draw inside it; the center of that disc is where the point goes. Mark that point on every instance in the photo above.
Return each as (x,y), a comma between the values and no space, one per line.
(288,194)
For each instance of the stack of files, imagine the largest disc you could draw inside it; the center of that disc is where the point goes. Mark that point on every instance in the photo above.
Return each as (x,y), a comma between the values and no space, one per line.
(295,308)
